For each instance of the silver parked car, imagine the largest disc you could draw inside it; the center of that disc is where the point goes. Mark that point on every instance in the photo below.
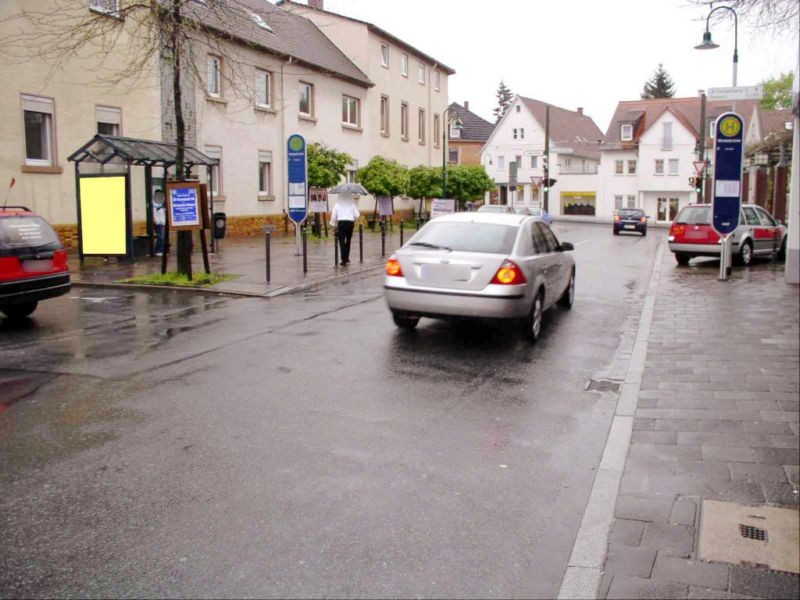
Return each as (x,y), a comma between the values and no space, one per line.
(481,266)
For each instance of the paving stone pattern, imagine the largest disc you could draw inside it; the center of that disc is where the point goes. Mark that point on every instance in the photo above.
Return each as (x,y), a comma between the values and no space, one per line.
(716,418)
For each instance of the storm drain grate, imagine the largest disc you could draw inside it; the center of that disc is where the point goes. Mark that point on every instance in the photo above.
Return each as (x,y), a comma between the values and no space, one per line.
(601,385)
(753,533)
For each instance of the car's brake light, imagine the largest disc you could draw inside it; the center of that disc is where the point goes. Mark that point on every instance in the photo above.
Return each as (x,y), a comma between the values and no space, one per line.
(60,259)
(677,229)
(509,274)
(9,267)
(393,268)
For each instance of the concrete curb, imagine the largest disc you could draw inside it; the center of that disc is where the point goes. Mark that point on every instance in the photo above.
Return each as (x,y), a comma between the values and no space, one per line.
(585,568)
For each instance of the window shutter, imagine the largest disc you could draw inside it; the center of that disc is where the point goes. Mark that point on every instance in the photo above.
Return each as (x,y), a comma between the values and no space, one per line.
(264,156)
(36,104)
(107,114)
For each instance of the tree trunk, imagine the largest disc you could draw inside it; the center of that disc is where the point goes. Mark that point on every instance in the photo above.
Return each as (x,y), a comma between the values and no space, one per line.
(184,249)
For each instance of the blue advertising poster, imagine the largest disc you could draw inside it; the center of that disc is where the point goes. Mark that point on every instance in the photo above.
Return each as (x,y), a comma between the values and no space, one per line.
(728,150)
(298,188)
(184,207)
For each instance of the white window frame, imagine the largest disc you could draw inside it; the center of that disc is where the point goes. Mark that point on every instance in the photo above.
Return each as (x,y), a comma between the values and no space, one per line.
(534,162)
(421,125)
(659,167)
(404,121)
(632,171)
(421,73)
(214,151)
(626,132)
(351,111)
(674,162)
(385,114)
(437,130)
(631,202)
(385,56)
(450,160)
(46,107)
(619,167)
(437,81)
(522,133)
(404,65)
(618,202)
(98,6)
(214,76)
(310,87)
(267,80)
(514,133)
(108,115)
(265,173)
(501,163)
(455,132)
(666,139)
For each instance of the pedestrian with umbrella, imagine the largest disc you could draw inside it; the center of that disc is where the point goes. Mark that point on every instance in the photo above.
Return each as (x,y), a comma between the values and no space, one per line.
(344,216)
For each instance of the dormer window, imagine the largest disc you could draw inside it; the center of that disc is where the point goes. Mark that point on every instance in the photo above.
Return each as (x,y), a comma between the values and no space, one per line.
(626,132)
(259,20)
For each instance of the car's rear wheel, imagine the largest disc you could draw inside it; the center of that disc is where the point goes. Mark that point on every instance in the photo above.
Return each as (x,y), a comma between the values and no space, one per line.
(19,311)
(568,298)
(745,256)
(404,321)
(533,324)
(683,259)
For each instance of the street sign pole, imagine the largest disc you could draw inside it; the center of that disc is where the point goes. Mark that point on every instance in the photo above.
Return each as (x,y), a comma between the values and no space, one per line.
(297,179)
(727,189)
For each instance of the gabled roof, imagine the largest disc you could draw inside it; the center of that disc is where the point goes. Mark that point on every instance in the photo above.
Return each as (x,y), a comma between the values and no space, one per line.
(476,129)
(568,128)
(685,110)
(288,4)
(774,121)
(289,35)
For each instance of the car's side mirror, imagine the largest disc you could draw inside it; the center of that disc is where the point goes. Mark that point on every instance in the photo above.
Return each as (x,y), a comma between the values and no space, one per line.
(778,222)
(566,247)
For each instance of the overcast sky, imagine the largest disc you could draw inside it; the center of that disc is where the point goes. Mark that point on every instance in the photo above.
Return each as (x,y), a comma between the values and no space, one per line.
(589,53)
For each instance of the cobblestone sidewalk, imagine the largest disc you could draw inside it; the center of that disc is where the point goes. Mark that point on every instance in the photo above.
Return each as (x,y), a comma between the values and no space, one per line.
(717,419)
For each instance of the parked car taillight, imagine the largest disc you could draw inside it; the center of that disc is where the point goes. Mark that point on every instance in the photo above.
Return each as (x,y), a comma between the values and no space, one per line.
(393,267)
(676,229)
(60,260)
(509,274)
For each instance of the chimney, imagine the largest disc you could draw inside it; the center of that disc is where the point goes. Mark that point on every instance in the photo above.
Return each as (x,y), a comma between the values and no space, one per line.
(466,104)
(580,110)
(317,4)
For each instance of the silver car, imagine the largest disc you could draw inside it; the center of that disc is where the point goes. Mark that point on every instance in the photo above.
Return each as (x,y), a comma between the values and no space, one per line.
(481,266)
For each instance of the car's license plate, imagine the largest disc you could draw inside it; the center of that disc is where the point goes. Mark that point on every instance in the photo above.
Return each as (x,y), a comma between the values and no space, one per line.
(630,226)
(696,235)
(433,272)
(37,266)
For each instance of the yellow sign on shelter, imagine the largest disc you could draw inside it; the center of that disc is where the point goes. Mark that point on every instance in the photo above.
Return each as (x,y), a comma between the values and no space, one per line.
(103,215)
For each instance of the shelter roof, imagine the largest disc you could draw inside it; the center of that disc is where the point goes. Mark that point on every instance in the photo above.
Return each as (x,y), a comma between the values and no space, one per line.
(109,149)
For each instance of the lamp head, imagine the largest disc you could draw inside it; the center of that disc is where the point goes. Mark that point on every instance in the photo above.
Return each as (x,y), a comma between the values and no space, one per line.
(707,43)
(458,124)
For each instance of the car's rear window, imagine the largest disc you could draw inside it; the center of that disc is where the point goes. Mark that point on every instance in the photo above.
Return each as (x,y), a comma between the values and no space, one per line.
(22,233)
(695,215)
(489,238)
(627,212)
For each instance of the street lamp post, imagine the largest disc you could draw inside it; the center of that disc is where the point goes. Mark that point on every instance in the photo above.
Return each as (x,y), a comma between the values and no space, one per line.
(450,118)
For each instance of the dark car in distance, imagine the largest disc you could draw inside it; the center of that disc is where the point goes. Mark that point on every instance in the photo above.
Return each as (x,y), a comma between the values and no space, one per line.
(630,219)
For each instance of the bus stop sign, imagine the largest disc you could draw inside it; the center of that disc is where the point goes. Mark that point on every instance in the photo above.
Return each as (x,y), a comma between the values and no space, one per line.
(728,151)
(298,178)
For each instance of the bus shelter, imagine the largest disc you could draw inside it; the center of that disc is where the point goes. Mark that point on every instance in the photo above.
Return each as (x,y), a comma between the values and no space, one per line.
(103,169)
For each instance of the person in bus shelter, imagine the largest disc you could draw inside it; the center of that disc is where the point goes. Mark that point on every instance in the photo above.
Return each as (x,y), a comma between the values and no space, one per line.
(343,219)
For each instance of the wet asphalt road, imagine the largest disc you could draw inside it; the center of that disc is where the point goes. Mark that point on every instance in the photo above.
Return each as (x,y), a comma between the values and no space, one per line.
(176,444)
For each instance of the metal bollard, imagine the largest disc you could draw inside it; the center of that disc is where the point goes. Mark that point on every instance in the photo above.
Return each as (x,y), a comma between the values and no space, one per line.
(360,243)
(305,251)
(267,240)
(401,232)
(383,239)
(336,247)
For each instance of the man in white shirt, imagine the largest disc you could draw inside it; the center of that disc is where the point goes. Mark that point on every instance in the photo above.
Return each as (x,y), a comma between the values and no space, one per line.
(159,220)
(343,218)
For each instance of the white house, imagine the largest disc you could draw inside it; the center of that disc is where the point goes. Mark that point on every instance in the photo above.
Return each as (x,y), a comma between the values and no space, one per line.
(574,157)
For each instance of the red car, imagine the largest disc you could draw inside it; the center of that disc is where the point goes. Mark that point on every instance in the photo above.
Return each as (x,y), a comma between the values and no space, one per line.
(33,263)
(758,234)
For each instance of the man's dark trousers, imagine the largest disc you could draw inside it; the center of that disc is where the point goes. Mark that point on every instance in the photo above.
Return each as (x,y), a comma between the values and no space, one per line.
(345,229)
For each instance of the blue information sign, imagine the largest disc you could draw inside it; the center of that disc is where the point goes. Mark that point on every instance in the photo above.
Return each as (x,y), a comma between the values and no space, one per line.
(184,207)
(298,179)
(728,150)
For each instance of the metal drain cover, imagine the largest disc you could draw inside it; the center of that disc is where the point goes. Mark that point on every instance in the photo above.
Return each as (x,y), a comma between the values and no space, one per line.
(601,385)
(756,535)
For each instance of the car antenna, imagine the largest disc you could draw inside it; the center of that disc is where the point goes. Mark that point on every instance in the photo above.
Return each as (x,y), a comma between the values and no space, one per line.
(10,185)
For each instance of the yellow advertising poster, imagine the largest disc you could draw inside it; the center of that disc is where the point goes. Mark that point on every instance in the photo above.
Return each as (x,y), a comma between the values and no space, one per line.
(578,203)
(103,215)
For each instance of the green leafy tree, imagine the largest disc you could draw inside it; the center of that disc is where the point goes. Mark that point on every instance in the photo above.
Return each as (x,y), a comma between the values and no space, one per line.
(660,85)
(424,182)
(326,166)
(504,98)
(778,91)
(465,183)
(383,178)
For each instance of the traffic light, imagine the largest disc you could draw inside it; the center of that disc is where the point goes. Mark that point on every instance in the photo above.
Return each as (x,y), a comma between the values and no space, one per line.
(698,184)
(548,183)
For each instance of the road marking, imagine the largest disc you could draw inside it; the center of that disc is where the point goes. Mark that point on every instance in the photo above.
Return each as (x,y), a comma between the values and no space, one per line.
(585,567)
(583,242)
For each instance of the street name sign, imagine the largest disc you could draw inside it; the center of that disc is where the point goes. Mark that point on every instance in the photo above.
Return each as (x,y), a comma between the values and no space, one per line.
(297,178)
(727,190)
(750,92)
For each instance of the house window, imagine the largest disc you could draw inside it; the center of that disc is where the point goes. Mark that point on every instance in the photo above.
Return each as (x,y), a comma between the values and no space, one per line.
(452,156)
(352,172)
(455,132)
(659,166)
(626,132)
(712,130)
(216,170)
(437,80)
(421,73)
(631,167)
(263,91)
(110,7)
(631,201)
(39,135)
(666,141)
(350,111)
(534,162)
(673,166)
(404,65)
(385,55)
(619,167)
(264,173)
(109,120)
(385,116)
(213,84)
(567,163)
(437,132)
(617,202)
(306,99)
(514,133)
(501,162)
(522,133)
(519,108)
(518,160)
(421,126)
(404,121)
